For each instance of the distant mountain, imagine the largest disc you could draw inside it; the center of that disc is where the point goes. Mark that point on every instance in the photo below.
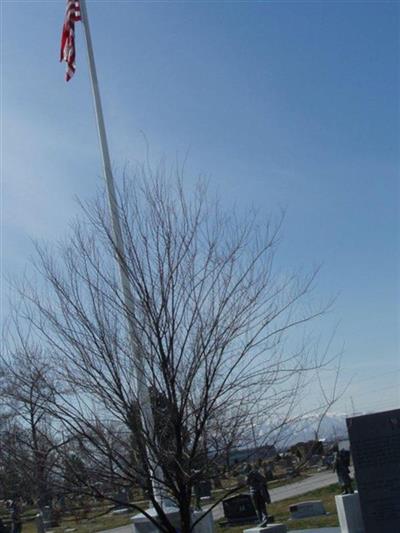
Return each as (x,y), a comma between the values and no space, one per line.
(332,427)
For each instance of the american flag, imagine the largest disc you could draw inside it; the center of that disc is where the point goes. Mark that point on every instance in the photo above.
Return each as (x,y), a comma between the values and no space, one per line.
(72,15)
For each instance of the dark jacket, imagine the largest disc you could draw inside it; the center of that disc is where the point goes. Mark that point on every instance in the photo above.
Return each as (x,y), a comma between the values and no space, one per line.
(258,485)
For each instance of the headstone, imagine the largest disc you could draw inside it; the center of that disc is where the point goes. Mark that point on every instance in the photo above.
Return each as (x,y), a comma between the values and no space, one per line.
(290,473)
(122,497)
(205,524)
(315,460)
(349,513)
(239,509)
(49,519)
(269,528)
(306,509)
(269,472)
(205,489)
(39,523)
(375,448)
(142,524)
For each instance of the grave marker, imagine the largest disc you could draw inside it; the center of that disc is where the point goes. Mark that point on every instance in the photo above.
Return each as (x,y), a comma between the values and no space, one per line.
(239,509)
(306,509)
(375,448)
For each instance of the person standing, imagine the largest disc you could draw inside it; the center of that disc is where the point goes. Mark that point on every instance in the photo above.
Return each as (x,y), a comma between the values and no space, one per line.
(341,465)
(259,494)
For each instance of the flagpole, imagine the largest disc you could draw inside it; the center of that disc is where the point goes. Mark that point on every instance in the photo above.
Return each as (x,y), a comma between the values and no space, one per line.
(142,390)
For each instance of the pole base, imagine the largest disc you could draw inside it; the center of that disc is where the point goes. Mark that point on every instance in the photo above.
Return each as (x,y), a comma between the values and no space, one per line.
(142,524)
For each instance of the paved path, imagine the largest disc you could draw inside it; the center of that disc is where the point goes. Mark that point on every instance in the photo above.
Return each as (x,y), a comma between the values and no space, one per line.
(317,481)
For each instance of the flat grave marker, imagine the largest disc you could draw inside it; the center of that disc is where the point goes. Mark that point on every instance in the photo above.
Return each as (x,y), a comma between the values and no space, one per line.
(307,509)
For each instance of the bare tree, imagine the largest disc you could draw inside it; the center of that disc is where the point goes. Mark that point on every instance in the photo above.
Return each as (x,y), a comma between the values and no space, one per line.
(15,462)
(212,319)
(26,391)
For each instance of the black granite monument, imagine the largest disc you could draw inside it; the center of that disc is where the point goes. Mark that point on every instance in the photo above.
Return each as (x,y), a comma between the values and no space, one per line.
(375,448)
(239,510)
(205,489)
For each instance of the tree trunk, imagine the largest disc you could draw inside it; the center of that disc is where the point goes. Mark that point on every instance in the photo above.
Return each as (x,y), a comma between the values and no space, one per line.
(186,516)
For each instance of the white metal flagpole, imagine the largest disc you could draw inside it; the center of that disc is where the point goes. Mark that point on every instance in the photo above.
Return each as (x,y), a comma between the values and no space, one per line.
(142,390)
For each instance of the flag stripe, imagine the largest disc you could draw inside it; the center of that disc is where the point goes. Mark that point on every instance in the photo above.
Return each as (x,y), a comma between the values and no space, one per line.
(68,54)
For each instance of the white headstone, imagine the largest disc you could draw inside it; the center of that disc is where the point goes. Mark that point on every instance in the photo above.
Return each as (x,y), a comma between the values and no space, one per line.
(206,524)
(349,513)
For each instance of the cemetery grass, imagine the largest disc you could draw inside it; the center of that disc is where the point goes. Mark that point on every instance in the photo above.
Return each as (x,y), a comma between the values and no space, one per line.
(99,522)
(90,525)
(280,510)
(96,520)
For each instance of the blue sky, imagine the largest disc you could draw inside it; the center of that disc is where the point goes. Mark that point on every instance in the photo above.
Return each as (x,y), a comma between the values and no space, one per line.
(279,104)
